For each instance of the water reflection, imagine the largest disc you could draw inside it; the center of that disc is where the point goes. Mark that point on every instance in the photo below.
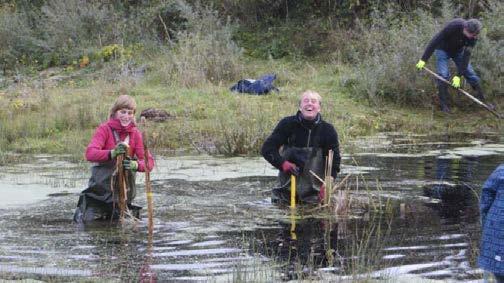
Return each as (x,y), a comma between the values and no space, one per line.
(453,188)
(307,243)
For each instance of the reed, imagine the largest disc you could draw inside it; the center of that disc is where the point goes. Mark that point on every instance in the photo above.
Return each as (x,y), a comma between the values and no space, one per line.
(120,183)
(328,178)
(122,188)
(336,200)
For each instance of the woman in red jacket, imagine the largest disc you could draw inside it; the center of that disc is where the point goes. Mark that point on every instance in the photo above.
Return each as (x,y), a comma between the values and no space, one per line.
(118,136)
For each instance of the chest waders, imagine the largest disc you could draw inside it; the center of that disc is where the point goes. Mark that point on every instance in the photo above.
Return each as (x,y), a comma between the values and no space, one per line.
(307,186)
(100,200)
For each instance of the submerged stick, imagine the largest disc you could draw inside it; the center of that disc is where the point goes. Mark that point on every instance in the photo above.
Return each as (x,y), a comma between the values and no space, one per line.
(293,225)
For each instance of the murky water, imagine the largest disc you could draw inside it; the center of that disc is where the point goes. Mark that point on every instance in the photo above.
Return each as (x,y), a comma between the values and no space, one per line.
(214,221)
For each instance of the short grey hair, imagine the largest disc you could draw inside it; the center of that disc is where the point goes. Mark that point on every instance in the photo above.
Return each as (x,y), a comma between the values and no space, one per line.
(312,93)
(473,26)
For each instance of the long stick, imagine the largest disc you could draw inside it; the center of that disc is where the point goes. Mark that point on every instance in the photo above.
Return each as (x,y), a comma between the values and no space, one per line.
(293,192)
(465,93)
(148,188)
(122,184)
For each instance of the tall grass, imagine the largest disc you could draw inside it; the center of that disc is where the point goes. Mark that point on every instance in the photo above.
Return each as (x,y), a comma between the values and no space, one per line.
(204,52)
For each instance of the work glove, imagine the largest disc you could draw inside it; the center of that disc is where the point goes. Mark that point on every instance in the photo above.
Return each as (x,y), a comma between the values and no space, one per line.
(420,64)
(131,165)
(119,149)
(290,168)
(456,82)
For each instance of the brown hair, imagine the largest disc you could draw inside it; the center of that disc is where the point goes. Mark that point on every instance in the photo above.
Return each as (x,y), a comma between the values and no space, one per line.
(123,101)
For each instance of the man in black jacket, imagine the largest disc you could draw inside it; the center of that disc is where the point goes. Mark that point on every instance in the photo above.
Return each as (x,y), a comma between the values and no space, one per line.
(455,41)
(299,144)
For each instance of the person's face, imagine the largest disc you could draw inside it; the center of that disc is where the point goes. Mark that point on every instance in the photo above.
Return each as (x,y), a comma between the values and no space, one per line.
(125,116)
(309,106)
(470,35)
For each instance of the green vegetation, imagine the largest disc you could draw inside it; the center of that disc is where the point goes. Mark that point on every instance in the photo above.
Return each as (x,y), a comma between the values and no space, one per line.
(63,67)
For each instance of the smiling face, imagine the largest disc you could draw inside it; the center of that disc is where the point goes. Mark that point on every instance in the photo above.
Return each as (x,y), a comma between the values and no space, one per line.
(309,105)
(125,116)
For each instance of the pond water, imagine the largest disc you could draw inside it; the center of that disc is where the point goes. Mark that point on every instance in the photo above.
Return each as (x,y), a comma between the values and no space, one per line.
(415,218)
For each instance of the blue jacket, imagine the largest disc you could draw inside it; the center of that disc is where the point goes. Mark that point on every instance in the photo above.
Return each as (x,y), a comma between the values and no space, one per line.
(492,215)
(263,85)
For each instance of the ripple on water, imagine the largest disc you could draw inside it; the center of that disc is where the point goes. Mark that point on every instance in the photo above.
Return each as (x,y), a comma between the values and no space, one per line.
(214,219)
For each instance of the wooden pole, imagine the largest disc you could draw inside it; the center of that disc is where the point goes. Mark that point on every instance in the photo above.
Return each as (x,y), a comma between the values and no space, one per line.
(293,192)
(148,188)
(477,101)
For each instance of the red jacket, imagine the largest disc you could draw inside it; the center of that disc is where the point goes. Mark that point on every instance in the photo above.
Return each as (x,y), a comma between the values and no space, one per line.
(103,142)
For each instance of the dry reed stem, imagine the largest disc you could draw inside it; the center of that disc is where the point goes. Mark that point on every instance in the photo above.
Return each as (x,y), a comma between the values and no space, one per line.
(318,178)
(338,185)
(328,177)
(123,194)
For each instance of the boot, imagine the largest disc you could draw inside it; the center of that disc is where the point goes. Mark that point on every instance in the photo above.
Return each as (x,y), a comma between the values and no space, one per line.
(479,92)
(479,95)
(443,97)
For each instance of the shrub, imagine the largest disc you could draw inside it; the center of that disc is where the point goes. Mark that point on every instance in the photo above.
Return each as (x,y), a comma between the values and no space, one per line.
(491,46)
(204,52)
(17,40)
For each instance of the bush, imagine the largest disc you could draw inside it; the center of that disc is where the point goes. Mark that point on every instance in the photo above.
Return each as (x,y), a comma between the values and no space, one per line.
(54,32)
(490,47)
(17,41)
(204,52)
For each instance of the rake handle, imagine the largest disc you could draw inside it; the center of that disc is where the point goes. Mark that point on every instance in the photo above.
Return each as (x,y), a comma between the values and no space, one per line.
(465,93)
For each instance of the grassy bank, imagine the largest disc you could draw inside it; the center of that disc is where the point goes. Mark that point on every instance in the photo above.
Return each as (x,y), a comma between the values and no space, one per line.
(40,117)
(182,57)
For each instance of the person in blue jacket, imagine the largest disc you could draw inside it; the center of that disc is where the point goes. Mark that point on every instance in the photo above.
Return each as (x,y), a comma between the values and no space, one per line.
(492,216)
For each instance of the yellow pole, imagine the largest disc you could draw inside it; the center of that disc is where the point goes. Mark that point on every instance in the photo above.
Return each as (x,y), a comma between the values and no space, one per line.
(293,192)
(293,206)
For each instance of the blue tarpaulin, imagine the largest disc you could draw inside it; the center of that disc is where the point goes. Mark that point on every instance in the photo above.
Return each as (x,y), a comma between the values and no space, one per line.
(263,85)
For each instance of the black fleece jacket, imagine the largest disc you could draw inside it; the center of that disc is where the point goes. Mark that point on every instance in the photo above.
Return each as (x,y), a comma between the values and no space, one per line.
(452,40)
(294,131)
